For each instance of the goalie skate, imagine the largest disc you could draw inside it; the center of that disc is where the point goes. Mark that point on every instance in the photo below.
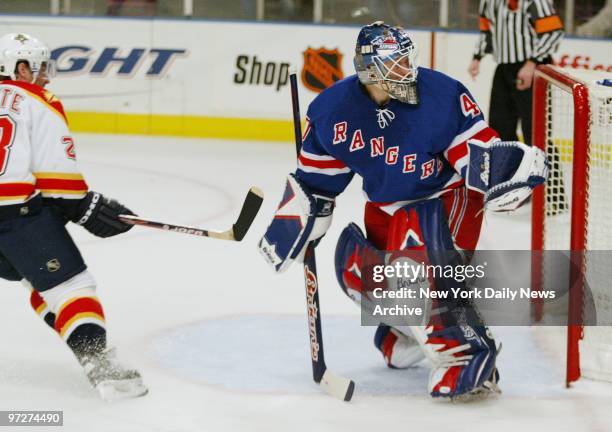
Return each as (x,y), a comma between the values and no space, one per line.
(110,379)
(488,389)
(463,361)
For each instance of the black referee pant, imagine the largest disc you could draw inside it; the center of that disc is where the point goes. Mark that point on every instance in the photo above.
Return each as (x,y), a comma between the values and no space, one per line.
(508,104)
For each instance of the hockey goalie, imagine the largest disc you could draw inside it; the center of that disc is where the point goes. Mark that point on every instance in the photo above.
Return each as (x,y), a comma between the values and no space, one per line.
(430,164)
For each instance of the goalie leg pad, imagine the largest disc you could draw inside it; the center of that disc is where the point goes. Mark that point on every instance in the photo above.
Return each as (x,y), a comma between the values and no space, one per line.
(459,346)
(301,217)
(421,232)
(420,224)
(418,232)
(353,251)
(462,355)
(399,350)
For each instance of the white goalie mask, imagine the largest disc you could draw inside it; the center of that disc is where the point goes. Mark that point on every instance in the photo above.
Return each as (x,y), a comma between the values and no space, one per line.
(16,47)
(386,56)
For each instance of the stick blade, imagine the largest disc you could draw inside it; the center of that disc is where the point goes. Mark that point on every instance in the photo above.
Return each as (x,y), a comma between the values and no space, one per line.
(337,386)
(250,208)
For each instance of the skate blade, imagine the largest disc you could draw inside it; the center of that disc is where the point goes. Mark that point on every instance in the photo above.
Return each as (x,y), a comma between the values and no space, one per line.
(113,390)
(486,392)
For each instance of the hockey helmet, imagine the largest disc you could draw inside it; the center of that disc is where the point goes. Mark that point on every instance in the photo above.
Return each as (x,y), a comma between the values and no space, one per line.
(16,47)
(386,55)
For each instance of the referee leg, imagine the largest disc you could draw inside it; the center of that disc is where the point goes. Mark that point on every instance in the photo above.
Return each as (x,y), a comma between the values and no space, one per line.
(523,100)
(503,115)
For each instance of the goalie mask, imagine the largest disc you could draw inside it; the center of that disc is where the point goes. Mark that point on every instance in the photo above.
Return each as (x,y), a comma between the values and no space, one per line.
(16,47)
(386,56)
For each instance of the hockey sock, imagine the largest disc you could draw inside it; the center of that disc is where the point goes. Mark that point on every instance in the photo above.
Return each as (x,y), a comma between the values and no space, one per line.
(42,309)
(80,323)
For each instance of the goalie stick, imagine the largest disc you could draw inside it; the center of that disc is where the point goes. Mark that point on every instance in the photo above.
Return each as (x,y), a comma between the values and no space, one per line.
(249,210)
(337,386)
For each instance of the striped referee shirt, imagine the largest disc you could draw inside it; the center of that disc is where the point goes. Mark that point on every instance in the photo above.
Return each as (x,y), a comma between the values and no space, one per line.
(515,31)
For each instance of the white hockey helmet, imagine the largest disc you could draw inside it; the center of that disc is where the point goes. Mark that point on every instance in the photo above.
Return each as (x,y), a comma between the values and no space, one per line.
(16,47)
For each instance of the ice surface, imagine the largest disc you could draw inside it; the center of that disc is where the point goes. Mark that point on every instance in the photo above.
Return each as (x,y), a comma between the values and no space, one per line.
(222,342)
(282,363)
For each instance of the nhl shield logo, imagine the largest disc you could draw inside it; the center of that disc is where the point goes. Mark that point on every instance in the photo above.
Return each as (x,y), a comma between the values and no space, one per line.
(322,68)
(53,265)
(21,38)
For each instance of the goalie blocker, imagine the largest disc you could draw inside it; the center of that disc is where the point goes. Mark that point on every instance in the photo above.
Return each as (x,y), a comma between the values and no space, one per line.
(301,217)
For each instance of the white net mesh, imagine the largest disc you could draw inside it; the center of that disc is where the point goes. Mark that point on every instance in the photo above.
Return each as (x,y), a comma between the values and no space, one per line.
(560,150)
(596,345)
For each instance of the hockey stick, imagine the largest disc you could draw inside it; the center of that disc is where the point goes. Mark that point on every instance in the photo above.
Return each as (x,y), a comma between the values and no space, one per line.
(337,386)
(249,210)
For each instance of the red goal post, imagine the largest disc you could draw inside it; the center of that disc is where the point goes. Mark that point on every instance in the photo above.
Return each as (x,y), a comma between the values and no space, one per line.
(572,123)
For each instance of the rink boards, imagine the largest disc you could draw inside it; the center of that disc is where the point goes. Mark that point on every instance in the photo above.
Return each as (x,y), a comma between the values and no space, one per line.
(226,79)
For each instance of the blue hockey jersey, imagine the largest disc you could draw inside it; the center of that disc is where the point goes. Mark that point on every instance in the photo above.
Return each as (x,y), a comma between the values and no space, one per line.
(402,152)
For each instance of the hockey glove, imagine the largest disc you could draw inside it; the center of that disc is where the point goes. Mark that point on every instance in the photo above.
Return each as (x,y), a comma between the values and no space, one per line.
(506,172)
(302,217)
(100,215)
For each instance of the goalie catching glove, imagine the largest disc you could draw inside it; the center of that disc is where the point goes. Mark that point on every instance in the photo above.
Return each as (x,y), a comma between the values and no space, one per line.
(100,215)
(505,172)
(302,217)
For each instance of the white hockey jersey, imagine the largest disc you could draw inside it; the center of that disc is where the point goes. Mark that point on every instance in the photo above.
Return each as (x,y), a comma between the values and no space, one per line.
(37,154)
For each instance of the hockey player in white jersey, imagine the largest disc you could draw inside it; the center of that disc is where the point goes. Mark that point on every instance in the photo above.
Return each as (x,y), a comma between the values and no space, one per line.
(41,189)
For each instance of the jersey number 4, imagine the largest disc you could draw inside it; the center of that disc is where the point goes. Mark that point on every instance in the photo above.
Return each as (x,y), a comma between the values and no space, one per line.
(468,106)
(7,136)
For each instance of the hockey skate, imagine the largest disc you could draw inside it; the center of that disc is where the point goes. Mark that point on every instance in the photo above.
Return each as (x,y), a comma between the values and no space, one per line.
(463,362)
(488,389)
(112,380)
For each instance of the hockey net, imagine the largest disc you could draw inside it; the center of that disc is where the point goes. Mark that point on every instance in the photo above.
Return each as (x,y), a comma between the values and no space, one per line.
(573,123)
